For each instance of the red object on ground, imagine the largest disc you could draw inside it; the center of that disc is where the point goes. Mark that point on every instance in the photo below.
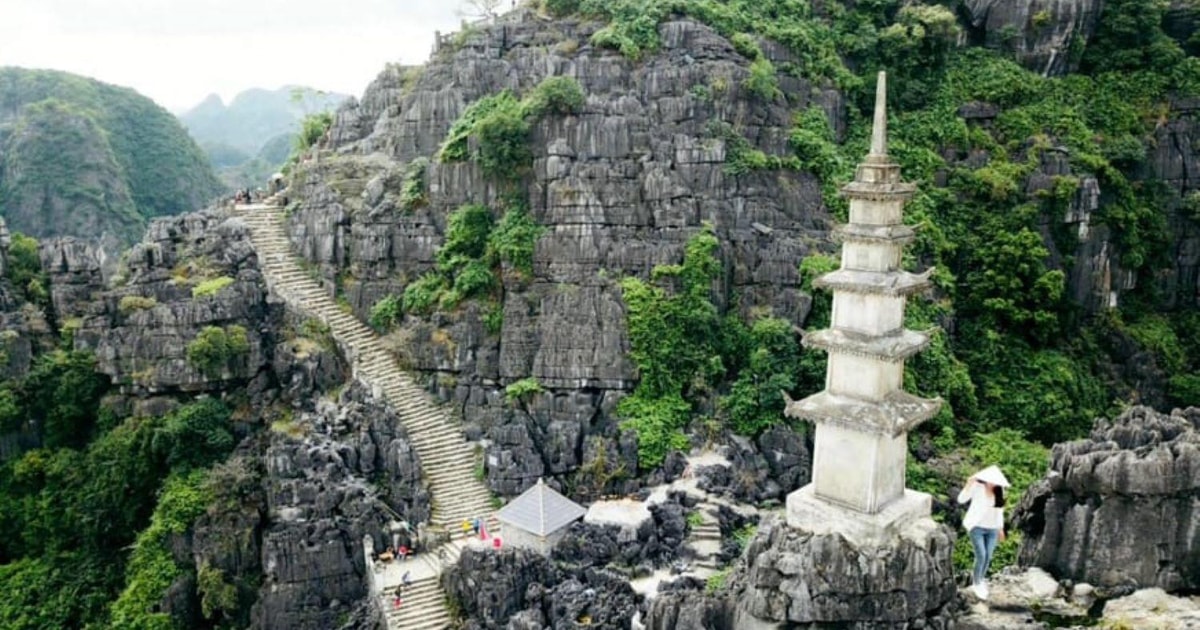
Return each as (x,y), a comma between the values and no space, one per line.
(496,542)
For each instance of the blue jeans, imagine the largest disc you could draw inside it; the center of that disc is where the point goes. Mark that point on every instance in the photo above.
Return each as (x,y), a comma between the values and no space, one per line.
(984,542)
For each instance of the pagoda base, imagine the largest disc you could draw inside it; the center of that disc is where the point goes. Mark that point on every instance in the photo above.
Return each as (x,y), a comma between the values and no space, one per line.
(816,577)
(908,515)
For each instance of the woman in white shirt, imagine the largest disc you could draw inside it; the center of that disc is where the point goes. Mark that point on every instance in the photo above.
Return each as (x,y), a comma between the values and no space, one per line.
(984,521)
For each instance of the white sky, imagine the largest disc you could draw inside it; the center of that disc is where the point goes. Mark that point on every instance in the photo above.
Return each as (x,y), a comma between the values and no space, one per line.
(179,51)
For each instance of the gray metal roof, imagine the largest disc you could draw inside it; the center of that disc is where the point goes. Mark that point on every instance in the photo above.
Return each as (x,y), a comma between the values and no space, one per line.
(541,510)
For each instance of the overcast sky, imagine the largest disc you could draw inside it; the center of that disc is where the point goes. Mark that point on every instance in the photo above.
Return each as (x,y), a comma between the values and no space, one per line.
(179,51)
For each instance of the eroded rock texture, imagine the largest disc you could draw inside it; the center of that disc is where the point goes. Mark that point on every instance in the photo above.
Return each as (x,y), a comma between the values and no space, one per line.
(1046,36)
(140,330)
(334,476)
(1120,508)
(520,590)
(621,187)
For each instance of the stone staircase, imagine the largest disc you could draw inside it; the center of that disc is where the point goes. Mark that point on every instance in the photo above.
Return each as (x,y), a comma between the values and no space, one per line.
(704,540)
(448,461)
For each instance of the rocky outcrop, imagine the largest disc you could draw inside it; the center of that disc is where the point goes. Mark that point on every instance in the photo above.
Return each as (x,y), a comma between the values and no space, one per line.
(621,187)
(1119,508)
(798,577)
(1174,159)
(521,590)
(190,272)
(333,476)
(1045,36)
(76,280)
(1030,599)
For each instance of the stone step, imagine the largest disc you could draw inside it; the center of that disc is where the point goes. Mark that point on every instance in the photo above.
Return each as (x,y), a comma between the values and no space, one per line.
(447,458)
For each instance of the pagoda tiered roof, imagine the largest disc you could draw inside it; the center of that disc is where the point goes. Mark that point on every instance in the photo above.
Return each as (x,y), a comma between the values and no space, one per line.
(888,283)
(898,412)
(894,347)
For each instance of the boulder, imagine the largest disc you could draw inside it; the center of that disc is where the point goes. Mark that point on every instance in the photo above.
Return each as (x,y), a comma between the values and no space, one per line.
(1117,510)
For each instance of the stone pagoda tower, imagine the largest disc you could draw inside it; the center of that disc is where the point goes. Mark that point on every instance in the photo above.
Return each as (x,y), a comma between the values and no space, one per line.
(863,416)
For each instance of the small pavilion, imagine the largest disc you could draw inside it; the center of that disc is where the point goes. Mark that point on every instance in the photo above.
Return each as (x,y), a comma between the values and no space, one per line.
(538,518)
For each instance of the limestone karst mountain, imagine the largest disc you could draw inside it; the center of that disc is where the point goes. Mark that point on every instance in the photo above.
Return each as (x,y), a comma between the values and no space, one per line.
(590,230)
(83,158)
(251,137)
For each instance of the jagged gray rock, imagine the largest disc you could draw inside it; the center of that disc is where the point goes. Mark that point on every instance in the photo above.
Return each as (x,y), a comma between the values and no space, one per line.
(622,186)
(796,577)
(1041,34)
(1117,509)
(139,331)
(333,476)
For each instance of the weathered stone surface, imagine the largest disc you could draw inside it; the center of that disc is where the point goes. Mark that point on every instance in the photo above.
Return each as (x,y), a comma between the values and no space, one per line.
(1040,34)
(518,589)
(491,586)
(621,187)
(144,347)
(795,577)
(333,476)
(1119,508)
(73,266)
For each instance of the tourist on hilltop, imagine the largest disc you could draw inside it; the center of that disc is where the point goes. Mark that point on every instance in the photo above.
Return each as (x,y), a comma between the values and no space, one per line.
(984,521)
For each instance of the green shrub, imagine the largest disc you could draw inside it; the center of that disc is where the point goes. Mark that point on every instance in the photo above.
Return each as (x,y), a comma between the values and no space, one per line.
(467,232)
(211,287)
(152,569)
(24,269)
(762,81)
(455,147)
(412,193)
(131,303)
(504,151)
(423,294)
(195,435)
(746,45)
(385,314)
(561,8)
(311,129)
(555,95)
(474,278)
(515,237)
(522,390)
(755,401)
(214,349)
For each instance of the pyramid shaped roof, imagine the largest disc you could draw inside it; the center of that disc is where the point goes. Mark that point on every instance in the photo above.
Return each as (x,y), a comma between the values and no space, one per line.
(541,510)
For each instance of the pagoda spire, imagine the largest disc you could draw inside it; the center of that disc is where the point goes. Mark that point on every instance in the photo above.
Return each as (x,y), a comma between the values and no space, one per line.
(879,129)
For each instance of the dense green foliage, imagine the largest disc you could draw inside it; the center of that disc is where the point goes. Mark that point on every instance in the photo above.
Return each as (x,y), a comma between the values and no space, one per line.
(211,287)
(412,194)
(63,127)
(57,399)
(69,513)
(24,270)
(470,261)
(215,349)
(151,568)
(494,130)
(1018,354)
(686,352)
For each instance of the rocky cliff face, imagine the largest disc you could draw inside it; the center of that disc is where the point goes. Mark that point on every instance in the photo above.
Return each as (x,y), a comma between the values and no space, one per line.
(1046,36)
(140,330)
(1119,509)
(620,187)
(313,477)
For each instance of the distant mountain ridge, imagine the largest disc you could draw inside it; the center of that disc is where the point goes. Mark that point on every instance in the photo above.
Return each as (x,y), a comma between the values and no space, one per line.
(255,116)
(83,158)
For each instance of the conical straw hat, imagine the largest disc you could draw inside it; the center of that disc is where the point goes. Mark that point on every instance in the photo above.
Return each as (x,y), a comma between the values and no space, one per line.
(992,475)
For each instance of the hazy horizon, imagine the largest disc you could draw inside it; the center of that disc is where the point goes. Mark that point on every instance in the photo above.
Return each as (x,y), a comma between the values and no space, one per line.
(178,53)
